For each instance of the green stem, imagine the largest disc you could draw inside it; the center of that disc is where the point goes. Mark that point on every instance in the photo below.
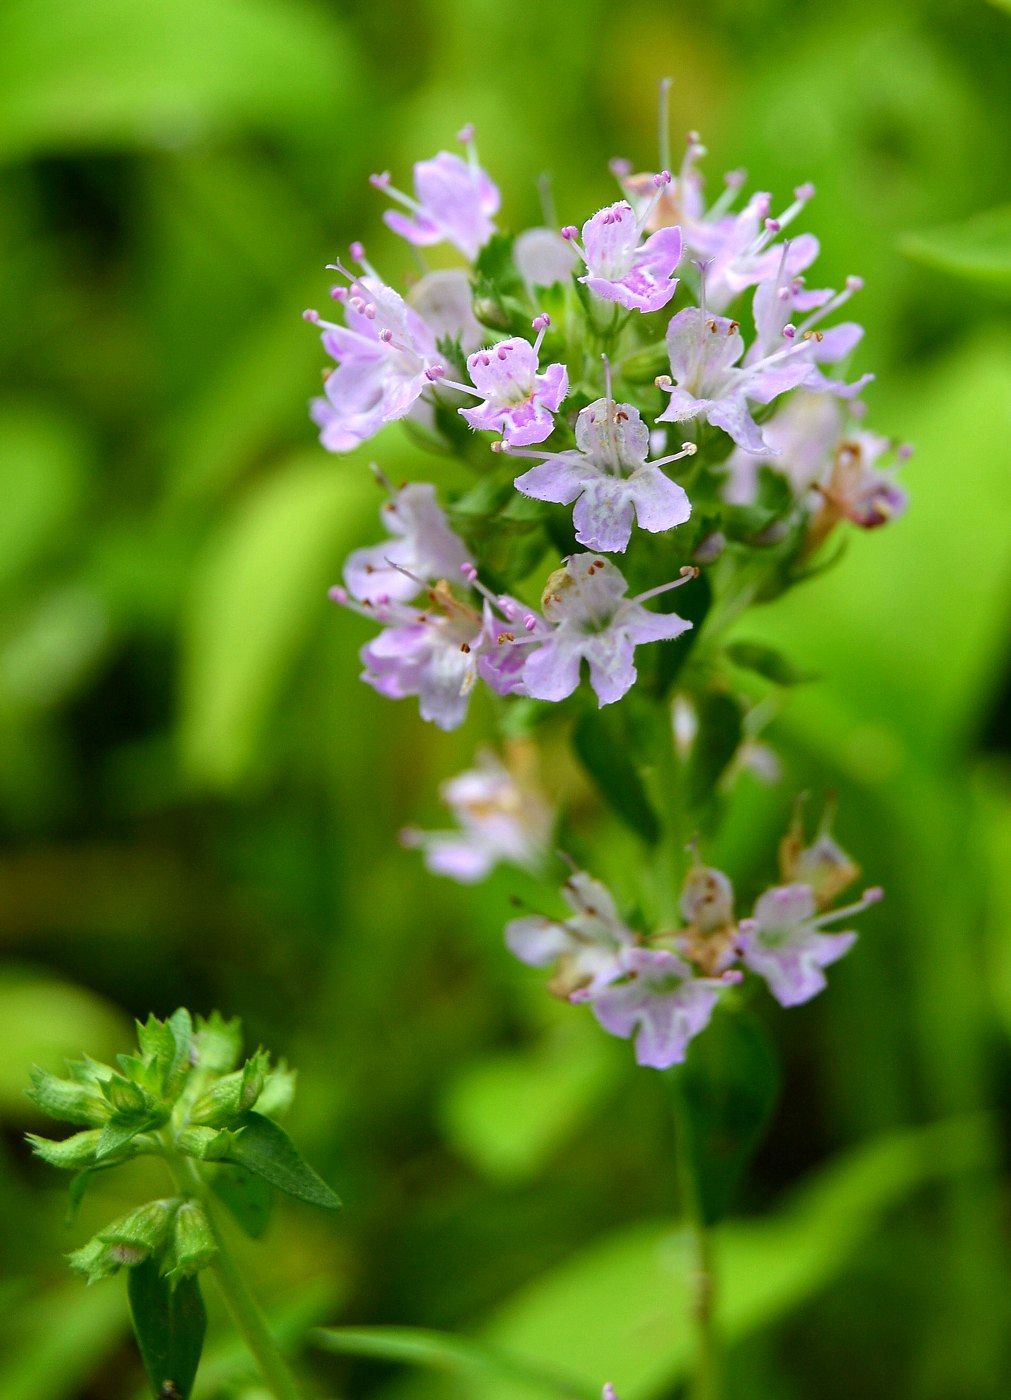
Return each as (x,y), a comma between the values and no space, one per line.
(243,1308)
(705,1384)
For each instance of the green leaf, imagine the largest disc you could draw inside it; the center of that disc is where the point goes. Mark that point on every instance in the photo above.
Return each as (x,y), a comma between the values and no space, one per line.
(716,741)
(633,1286)
(978,249)
(601,742)
(727,1089)
(268,1152)
(255,596)
(247,1196)
(170,1322)
(766,661)
(441,1351)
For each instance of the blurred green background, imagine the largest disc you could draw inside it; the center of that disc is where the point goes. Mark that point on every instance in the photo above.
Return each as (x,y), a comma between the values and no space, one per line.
(199,802)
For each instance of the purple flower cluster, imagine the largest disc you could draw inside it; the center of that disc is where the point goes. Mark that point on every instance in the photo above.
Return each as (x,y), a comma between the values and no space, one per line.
(498,361)
(661,991)
(465,633)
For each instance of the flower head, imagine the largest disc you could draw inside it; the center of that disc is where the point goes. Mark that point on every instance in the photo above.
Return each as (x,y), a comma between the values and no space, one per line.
(586,947)
(382,355)
(591,618)
(454,202)
(783,942)
(502,816)
(519,401)
(422,550)
(430,653)
(619,266)
(658,1002)
(706,381)
(609,479)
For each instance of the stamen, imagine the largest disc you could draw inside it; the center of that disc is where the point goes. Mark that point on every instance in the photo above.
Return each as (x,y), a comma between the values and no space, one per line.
(688,449)
(872,896)
(687,572)
(540,324)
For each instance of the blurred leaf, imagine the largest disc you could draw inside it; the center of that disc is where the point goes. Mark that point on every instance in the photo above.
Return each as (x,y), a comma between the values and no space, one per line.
(80,73)
(170,1321)
(52,1346)
(767,662)
(620,1307)
(979,249)
(44,1022)
(248,1197)
(510,1114)
(728,1088)
(443,1351)
(268,1152)
(52,647)
(255,593)
(601,741)
(40,482)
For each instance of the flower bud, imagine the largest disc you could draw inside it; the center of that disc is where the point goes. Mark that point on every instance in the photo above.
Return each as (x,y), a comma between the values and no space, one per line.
(194,1244)
(64,1099)
(145,1229)
(707,900)
(232,1095)
(207,1144)
(96,1260)
(73,1153)
(124,1096)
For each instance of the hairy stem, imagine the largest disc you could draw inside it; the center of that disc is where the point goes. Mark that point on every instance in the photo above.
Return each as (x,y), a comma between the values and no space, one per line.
(243,1308)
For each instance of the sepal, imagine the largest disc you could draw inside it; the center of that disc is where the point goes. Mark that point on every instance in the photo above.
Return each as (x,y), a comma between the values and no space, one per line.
(72,1154)
(193,1242)
(70,1100)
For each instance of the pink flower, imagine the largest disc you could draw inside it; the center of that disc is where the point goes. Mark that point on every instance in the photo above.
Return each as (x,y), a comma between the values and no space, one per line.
(658,1002)
(587,945)
(609,478)
(784,944)
(500,819)
(519,401)
(422,550)
(781,301)
(619,267)
(706,381)
(590,618)
(382,354)
(454,202)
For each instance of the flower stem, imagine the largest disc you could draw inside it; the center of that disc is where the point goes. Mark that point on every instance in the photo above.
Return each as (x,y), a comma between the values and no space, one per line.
(705,1384)
(243,1308)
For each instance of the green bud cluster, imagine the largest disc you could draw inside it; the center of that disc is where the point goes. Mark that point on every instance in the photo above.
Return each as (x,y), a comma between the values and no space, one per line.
(184,1092)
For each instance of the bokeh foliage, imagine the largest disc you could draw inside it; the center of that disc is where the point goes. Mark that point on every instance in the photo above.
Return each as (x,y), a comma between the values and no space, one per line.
(199,802)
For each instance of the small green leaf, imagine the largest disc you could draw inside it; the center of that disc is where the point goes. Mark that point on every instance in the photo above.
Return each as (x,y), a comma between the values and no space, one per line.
(978,249)
(601,742)
(248,1197)
(116,1136)
(768,662)
(268,1152)
(727,1088)
(170,1322)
